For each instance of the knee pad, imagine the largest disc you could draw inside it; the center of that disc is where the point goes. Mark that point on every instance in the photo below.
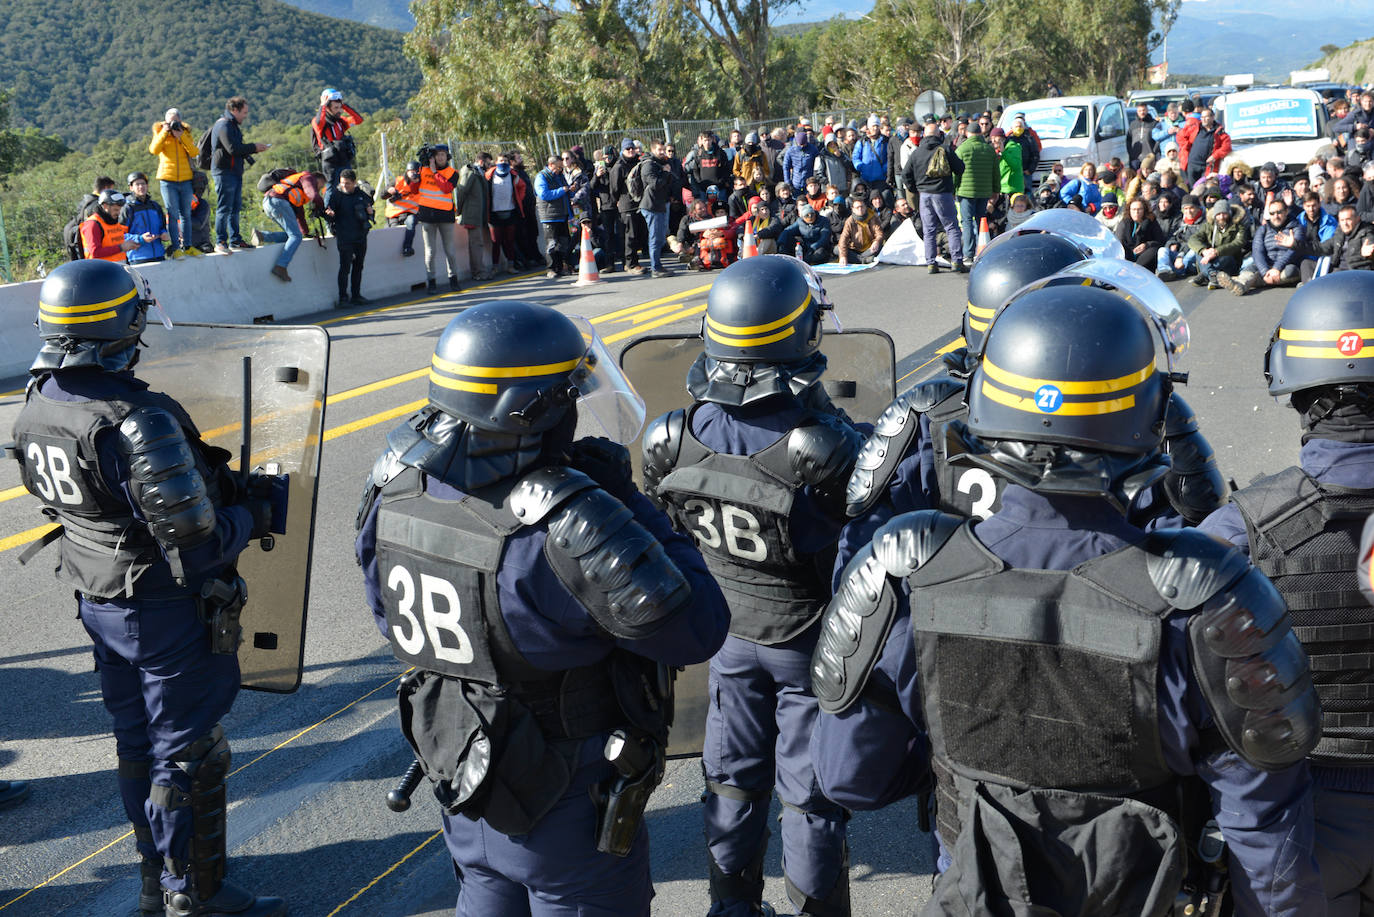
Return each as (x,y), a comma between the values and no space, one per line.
(206,760)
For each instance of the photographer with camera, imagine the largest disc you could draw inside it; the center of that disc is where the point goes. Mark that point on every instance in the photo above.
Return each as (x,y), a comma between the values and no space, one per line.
(435,198)
(349,210)
(402,204)
(329,135)
(229,154)
(176,153)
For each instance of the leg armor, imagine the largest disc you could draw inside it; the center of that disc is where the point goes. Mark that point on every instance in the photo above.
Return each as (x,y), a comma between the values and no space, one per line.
(206,762)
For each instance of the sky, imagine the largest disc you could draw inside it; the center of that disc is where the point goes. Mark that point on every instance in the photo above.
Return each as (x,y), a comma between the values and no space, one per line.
(813,10)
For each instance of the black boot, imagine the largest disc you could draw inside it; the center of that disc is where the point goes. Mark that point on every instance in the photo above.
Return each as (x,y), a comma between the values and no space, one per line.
(453,283)
(230,900)
(431,286)
(150,874)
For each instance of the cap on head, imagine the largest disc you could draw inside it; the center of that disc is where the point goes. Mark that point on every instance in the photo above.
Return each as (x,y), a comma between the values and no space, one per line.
(137,176)
(1323,335)
(330,95)
(627,144)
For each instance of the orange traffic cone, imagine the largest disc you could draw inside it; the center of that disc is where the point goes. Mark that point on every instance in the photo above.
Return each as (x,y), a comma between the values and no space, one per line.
(984,237)
(587,274)
(750,248)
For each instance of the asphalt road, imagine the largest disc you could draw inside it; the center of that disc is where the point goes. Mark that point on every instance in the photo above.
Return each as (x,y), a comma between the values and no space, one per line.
(308,820)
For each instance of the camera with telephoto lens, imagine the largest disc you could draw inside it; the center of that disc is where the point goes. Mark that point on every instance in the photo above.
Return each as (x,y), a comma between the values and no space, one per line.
(176,126)
(424,154)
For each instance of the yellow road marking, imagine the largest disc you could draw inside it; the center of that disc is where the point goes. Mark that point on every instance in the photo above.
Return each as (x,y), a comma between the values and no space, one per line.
(425,299)
(26,536)
(952,345)
(394,866)
(649,326)
(630,310)
(374,419)
(128,834)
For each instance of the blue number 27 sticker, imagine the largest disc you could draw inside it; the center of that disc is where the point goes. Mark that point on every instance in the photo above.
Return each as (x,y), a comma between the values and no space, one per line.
(1048,398)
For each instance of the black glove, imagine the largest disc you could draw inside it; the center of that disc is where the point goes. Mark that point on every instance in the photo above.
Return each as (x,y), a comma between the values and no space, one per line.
(606,463)
(269,491)
(261,511)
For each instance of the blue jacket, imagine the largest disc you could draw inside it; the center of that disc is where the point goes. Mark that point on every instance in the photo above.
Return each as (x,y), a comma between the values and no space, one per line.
(799,164)
(1088,190)
(870,159)
(143,216)
(551,195)
(1267,818)
(1268,253)
(1326,227)
(816,238)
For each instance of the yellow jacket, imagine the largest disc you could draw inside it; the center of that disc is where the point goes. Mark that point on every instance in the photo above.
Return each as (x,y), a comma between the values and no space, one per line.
(174,158)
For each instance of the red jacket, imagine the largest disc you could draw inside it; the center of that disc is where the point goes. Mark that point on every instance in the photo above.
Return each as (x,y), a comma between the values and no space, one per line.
(1221,143)
(519,190)
(323,130)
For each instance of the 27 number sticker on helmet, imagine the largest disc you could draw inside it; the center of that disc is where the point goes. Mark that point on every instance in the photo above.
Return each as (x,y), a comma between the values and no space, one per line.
(1048,398)
(1350,343)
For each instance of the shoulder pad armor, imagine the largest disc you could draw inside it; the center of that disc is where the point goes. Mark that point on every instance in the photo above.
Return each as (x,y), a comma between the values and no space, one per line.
(821,455)
(543,490)
(1250,667)
(856,623)
(612,564)
(893,434)
(1179,417)
(1194,485)
(164,479)
(660,448)
(384,470)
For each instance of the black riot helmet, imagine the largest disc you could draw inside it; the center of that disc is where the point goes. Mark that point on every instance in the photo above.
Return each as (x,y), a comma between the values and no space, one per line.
(1066,396)
(1322,337)
(1006,267)
(91,313)
(762,331)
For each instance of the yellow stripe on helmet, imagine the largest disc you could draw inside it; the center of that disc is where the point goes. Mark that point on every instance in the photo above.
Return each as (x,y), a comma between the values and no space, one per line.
(504,372)
(481,388)
(1093,387)
(89,307)
(981,312)
(76,319)
(1321,353)
(1066,409)
(1298,334)
(792,316)
(750,342)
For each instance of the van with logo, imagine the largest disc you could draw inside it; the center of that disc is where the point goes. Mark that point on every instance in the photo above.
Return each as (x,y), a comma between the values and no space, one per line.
(1283,126)
(1072,130)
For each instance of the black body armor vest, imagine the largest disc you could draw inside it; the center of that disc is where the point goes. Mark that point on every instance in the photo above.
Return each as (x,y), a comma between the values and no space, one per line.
(1305,536)
(738,509)
(965,490)
(104,548)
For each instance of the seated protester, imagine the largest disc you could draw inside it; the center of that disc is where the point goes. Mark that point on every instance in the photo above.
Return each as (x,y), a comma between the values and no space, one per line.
(901,213)
(1209,194)
(144,222)
(1167,215)
(683,242)
(1351,247)
(1243,194)
(1270,182)
(1168,184)
(787,204)
(835,209)
(766,227)
(102,235)
(996,212)
(1269,264)
(1110,215)
(769,199)
(1076,204)
(1176,258)
(862,237)
(812,234)
(1219,243)
(1140,234)
(1147,189)
(1133,181)
(877,205)
(815,193)
(1047,195)
(1339,192)
(833,167)
(200,214)
(1084,187)
(716,247)
(1234,173)
(1168,160)
(1107,184)
(1019,211)
(739,198)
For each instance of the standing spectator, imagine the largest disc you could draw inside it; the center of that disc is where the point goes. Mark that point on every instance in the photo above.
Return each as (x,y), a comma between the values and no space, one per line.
(787,205)
(473,209)
(435,196)
(799,160)
(1142,136)
(909,146)
(870,157)
(659,188)
(199,237)
(102,235)
(1011,175)
(849,140)
(350,212)
(752,164)
(1052,91)
(285,202)
(551,193)
(1269,264)
(676,207)
(144,222)
(809,238)
(933,171)
(329,135)
(627,206)
(1219,244)
(1202,146)
(707,164)
(978,182)
(176,153)
(403,204)
(527,235)
(861,237)
(1346,247)
(612,234)
(774,147)
(229,154)
(733,147)
(1140,235)
(507,192)
(1173,121)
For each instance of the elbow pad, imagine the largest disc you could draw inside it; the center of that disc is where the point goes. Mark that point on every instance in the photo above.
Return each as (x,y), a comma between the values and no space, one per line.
(893,435)
(660,448)
(822,456)
(1251,668)
(1194,485)
(164,479)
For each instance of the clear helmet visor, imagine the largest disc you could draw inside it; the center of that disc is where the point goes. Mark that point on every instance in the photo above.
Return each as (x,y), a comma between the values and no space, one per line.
(1077,227)
(150,302)
(607,403)
(818,294)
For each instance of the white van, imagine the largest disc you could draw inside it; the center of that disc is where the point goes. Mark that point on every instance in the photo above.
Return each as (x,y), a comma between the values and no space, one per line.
(1072,130)
(1282,126)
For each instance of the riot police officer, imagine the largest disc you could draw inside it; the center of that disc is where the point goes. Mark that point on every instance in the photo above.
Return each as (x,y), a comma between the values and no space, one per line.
(149,515)
(540,598)
(756,471)
(1076,673)
(1301,527)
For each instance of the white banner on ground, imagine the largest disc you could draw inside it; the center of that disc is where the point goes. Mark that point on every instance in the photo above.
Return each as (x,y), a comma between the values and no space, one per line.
(836,268)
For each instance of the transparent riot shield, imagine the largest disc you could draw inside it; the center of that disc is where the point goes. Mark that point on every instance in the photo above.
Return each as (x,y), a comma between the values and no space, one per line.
(860,377)
(202,367)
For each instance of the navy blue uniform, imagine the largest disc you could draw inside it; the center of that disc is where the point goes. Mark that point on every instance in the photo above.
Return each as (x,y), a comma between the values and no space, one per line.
(555,869)
(1344,795)
(762,710)
(159,679)
(1266,817)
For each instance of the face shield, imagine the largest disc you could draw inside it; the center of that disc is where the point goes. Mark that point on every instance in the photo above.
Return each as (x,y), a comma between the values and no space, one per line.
(1078,228)
(146,298)
(818,294)
(607,403)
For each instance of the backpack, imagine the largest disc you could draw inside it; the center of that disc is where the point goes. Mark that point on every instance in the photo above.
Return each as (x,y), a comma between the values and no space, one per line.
(268,179)
(938,166)
(71,233)
(636,183)
(207,147)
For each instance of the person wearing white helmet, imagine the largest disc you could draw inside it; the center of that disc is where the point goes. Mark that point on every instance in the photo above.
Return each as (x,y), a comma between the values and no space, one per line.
(329,135)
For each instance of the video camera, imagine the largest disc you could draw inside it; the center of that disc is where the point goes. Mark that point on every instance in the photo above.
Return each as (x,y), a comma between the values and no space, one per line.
(424,154)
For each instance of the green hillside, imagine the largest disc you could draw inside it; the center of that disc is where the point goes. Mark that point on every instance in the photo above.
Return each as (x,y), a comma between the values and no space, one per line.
(88,71)
(1352,64)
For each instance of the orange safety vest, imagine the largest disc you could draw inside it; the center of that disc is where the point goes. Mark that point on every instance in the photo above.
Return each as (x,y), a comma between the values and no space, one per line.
(430,194)
(290,188)
(113,236)
(404,202)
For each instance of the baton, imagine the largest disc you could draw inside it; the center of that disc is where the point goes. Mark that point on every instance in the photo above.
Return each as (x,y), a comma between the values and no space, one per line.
(398,800)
